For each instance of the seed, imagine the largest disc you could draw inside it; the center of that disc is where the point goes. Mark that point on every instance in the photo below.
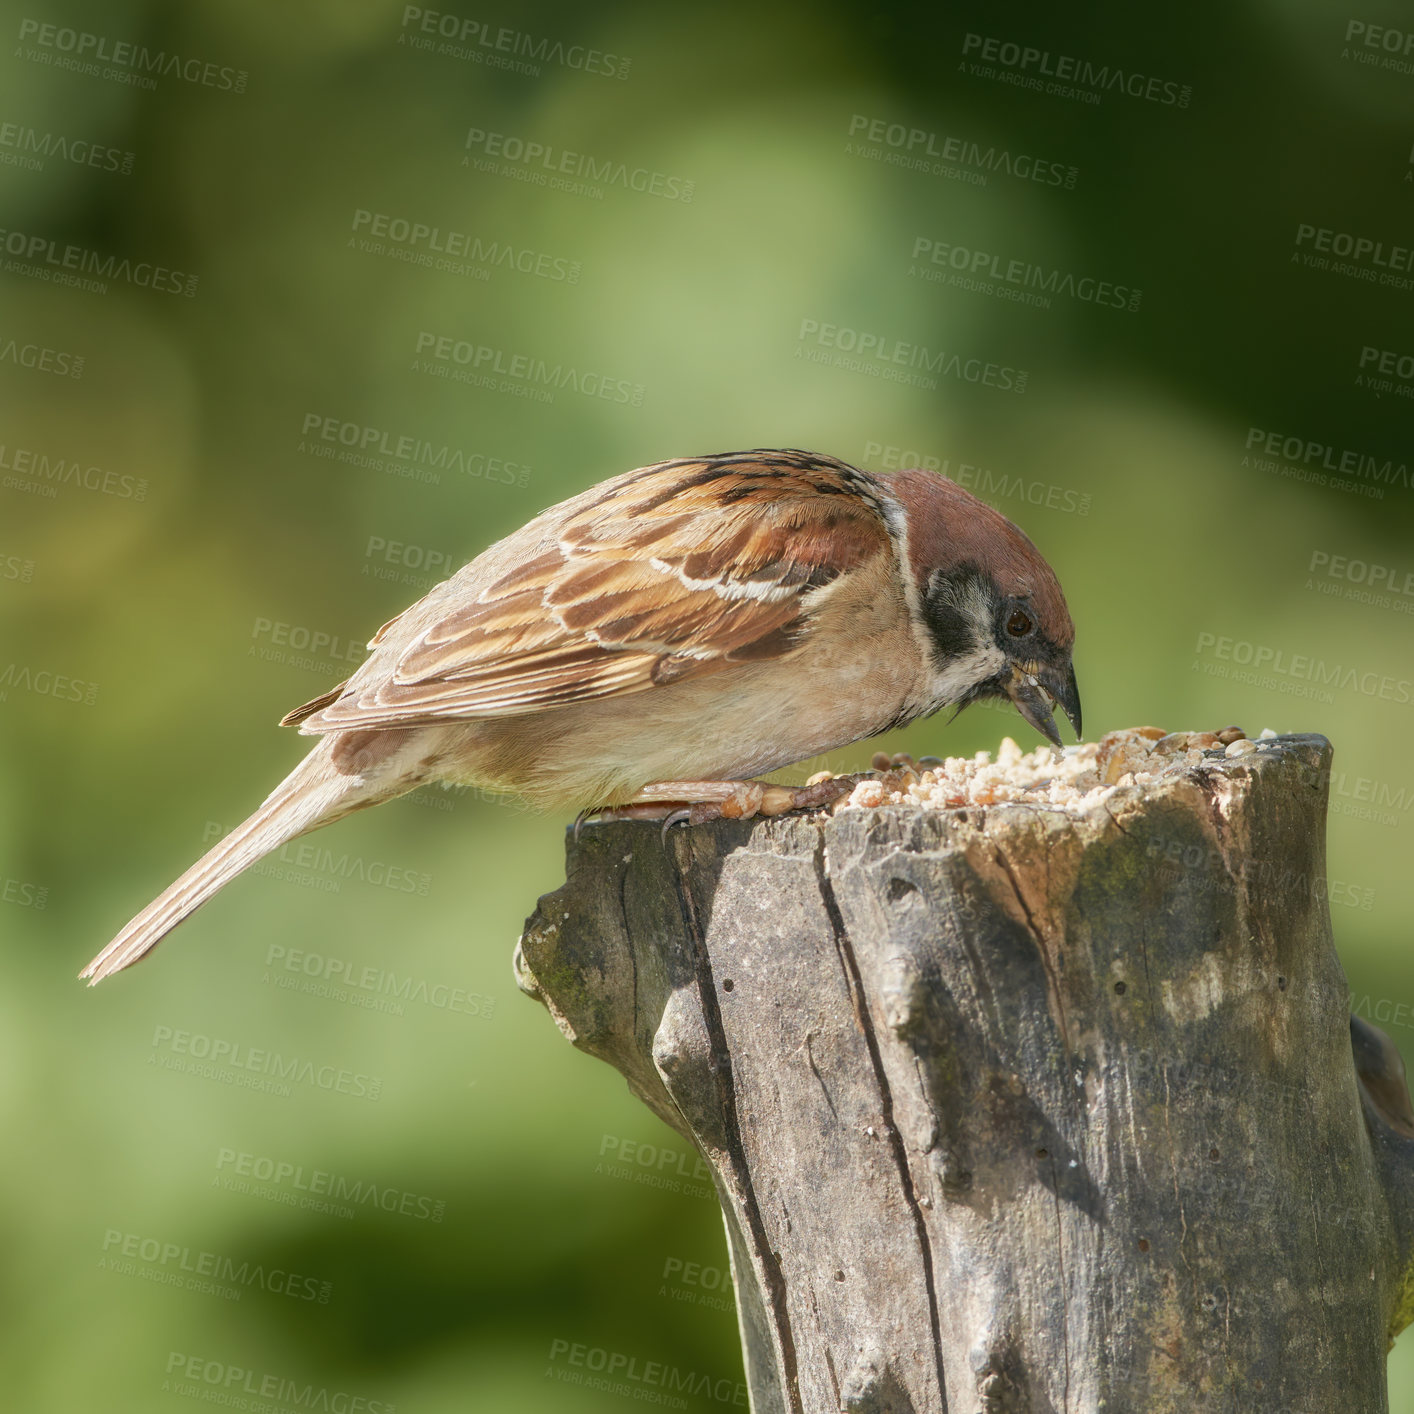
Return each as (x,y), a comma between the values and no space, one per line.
(776,800)
(1115,767)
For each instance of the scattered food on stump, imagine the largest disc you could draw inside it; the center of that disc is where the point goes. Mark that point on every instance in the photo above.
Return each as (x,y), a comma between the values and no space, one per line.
(1073,776)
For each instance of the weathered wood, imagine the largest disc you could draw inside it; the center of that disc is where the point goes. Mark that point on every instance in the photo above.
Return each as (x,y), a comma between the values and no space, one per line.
(1015,1110)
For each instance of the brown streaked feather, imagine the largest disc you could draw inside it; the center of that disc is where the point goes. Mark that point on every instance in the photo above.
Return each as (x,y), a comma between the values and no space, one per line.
(670,571)
(315,704)
(383,632)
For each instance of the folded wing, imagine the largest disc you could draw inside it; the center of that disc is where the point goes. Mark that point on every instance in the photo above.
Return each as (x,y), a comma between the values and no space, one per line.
(670,571)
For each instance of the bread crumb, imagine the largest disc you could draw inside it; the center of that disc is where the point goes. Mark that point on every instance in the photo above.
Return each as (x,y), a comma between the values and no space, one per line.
(867,793)
(1069,778)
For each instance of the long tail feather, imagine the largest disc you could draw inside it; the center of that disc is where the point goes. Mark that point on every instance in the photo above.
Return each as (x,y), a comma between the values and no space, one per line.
(313,794)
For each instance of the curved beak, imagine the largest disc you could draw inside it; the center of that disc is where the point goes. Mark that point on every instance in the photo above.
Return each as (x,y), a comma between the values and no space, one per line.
(1034,695)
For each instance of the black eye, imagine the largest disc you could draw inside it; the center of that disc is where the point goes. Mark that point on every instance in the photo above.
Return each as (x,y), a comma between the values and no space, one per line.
(1019,624)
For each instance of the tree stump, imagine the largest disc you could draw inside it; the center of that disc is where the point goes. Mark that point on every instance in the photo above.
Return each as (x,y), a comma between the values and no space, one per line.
(1010,1109)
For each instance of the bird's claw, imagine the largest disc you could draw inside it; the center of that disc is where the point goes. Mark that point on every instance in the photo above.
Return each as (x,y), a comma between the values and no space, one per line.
(697,802)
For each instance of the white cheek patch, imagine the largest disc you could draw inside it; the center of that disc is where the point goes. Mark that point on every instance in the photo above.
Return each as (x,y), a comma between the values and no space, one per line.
(952,680)
(957,678)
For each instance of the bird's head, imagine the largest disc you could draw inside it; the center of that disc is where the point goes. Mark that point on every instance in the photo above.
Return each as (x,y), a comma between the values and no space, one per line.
(992,612)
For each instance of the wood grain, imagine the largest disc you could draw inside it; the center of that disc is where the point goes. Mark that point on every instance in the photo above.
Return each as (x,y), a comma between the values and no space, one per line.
(1013,1110)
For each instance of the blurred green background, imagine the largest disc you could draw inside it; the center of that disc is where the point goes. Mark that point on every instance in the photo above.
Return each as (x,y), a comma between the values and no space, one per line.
(762,224)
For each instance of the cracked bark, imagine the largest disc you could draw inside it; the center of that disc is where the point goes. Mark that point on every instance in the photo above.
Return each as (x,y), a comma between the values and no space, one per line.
(1012,1110)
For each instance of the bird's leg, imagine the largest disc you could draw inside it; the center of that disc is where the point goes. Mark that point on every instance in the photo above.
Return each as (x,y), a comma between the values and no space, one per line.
(699,801)
(696,802)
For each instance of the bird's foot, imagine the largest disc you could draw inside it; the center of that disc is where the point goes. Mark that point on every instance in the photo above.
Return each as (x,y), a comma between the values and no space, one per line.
(696,802)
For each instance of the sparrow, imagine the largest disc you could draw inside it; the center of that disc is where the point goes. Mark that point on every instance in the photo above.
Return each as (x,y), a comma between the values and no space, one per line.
(661,639)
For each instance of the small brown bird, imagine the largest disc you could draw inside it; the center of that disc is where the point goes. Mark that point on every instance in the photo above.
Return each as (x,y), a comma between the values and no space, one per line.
(658,640)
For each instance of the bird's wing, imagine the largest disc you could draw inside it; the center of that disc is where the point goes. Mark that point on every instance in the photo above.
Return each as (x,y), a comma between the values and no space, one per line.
(674,570)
